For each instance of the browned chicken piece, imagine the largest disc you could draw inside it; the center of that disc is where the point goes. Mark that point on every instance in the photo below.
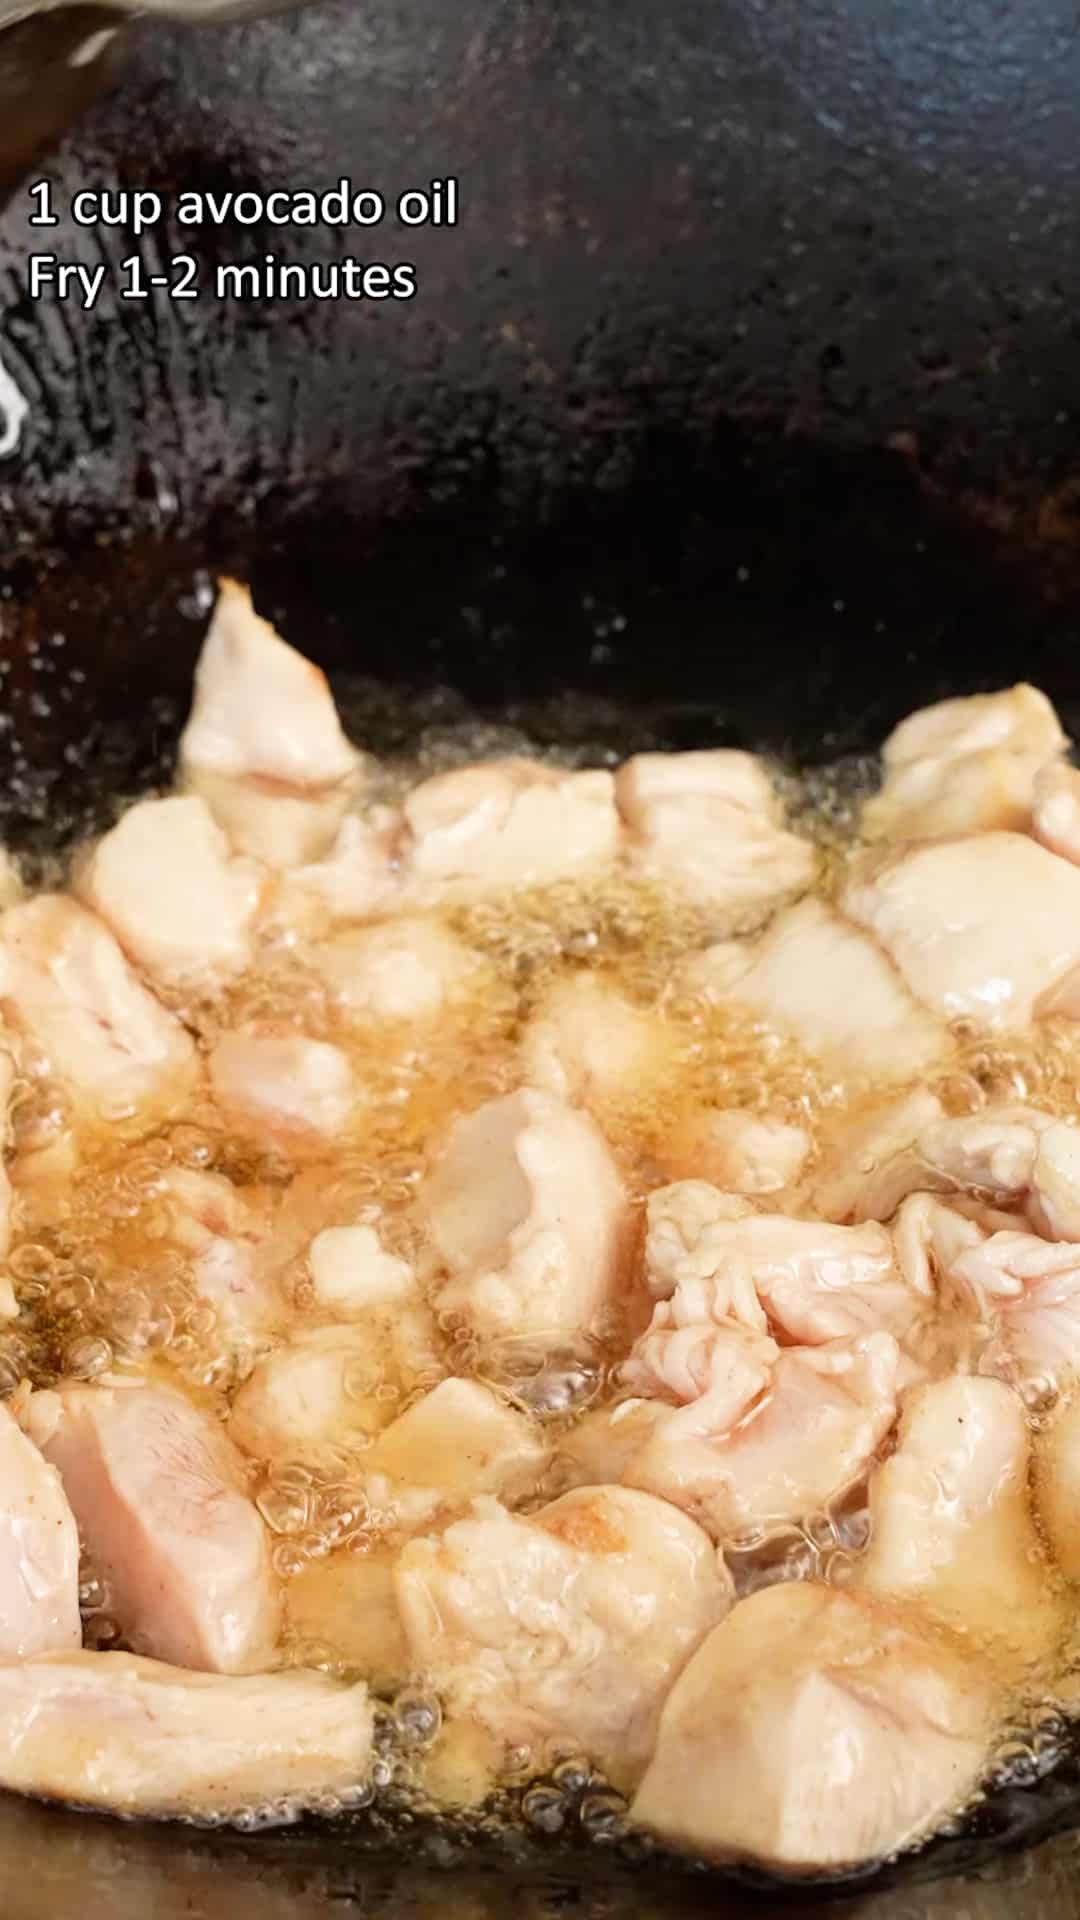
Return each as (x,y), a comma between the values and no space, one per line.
(938,912)
(131,1736)
(179,902)
(528,1215)
(66,985)
(284,1084)
(816,977)
(573,1622)
(409,968)
(951,1525)
(711,824)
(760,1440)
(816,1729)
(39,1552)
(1057,1483)
(586,1043)
(506,824)
(1056,812)
(739,1152)
(263,745)
(965,766)
(159,1495)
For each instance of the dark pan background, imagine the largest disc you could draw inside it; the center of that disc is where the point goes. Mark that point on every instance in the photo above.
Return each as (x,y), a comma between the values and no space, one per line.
(743,400)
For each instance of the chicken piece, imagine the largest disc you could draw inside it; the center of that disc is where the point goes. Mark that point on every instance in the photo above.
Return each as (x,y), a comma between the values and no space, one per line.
(857,1152)
(711,823)
(950,1524)
(158,1493)
(821,980)
(929,1238)
(508,823)
(334,1387)
(526,1210)
(65,983)
(460,1440)
(131,1736)
(1004,1156)
(263,745)
(179,903)
(587,1044)
(573,1622)
(764,1445)
(736,1151)
(8,1306)
(806,1280)
(815,1729)
(282,1083)
(964,766)
(356,877)
(685,1243)
(39,1552)
(343,1611)
(1029,1290)
(351,1272)
(409,968)
(1055,819)
(1057,1484)
(221,1232)
(983,928)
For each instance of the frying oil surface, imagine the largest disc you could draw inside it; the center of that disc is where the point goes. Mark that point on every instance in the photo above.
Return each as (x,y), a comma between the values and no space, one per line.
(105,1291)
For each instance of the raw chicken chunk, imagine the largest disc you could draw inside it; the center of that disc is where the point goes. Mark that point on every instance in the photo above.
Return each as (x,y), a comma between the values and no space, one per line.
(351,1272)
(179,903)
(1029,1290)
(964,766)
(526,1210)
(759,1442)
(282,1083)
(131,1736)
(508,823)
(710,822)
(221,1233)
(950,1523)
(409,968)
(263,745)
(573,1622)
(67,985)
(818,978)
(1056,811)
(983,928)
(1057,1484)
(589,1045)
(39,1552)
(807,1280)
(815,1729)
(736,1151)
(158,1493)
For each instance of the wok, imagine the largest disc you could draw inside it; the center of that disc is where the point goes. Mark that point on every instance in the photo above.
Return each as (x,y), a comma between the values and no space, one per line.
(739,408)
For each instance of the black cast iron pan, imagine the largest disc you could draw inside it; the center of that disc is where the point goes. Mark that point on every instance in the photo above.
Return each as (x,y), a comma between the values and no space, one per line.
(741,404)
